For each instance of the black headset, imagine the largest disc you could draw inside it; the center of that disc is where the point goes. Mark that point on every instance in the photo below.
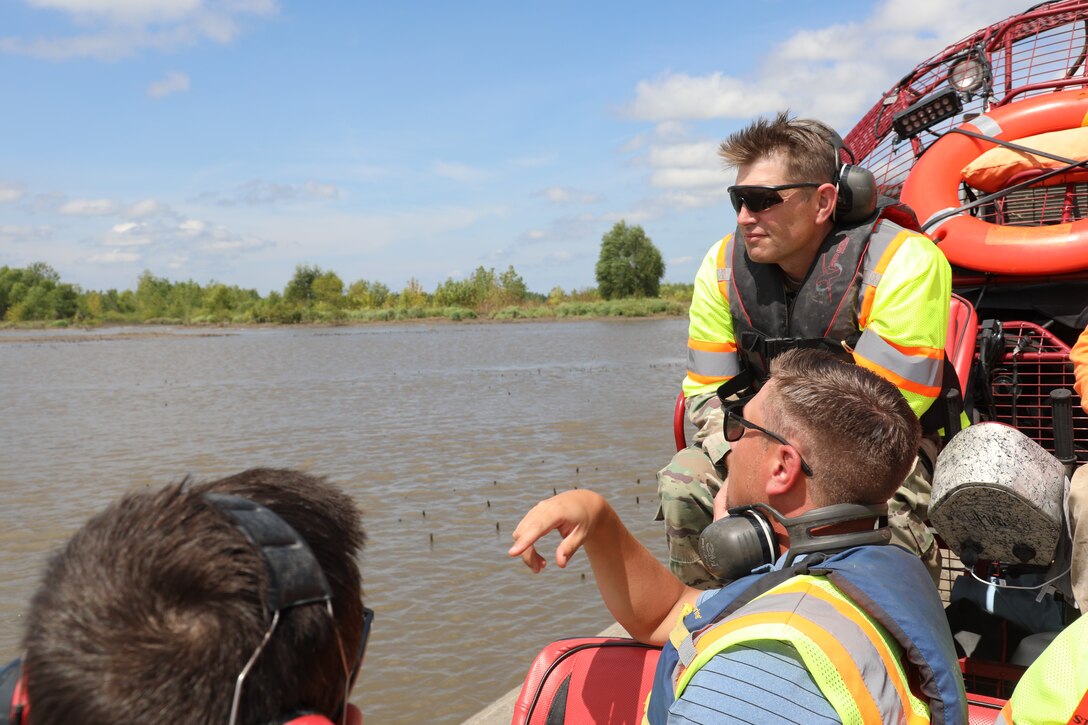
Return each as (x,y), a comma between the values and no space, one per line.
(733,546)
(856,185)
(295,578)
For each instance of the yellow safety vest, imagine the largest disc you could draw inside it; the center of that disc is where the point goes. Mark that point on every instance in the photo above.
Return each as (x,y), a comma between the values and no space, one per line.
(854,660)
(1054,689)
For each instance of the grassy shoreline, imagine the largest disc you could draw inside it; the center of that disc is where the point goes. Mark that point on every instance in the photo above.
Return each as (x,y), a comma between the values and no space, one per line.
(626,308)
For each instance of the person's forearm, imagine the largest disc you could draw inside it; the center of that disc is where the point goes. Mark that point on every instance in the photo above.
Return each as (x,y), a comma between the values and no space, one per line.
(638,590)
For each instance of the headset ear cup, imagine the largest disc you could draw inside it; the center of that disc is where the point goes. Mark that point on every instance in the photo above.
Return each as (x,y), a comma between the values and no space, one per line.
(857,194)
(733,546)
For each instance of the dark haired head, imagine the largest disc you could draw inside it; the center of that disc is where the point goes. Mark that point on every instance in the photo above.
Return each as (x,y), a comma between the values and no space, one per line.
(152,609)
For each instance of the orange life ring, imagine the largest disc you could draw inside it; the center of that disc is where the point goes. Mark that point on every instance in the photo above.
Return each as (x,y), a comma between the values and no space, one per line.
(932,188)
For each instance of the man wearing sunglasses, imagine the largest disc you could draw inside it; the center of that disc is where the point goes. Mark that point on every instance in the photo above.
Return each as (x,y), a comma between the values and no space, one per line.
(813,643)
(233,601)
(815,262)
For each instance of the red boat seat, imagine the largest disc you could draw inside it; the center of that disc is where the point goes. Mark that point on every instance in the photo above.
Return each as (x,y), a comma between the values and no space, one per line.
(959,348)
(587,680)
(982,710)
(959,345)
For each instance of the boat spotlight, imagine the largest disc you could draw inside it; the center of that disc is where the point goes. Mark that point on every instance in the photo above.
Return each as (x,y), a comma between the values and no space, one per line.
(970,74)
(927,112)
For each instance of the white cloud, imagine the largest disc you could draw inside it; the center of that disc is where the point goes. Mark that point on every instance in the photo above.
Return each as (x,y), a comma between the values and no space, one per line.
(330,233)
(834,73)
(557,195)
(89,207)
(680,178)
(173,83)
(114,256)
(461,173)
(703,154)
(257,192)
(129,234)
(191,227)
(145,208)
(114,29)
(123,12)
(322,191)
(566,195)
(678,261)
(17,234)
(560,256)
(10,192)
(680,96)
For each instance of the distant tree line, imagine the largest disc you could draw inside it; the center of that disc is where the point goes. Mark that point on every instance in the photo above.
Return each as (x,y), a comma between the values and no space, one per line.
(629,267)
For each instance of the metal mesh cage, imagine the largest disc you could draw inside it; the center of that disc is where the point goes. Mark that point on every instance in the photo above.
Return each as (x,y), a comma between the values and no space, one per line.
(1035,363)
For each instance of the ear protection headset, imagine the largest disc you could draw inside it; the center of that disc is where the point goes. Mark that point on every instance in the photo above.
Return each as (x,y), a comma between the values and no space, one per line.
(856,185)
(295,579)
(733,546)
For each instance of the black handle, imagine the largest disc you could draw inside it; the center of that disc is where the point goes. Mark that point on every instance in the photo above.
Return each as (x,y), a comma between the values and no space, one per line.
(1061,409)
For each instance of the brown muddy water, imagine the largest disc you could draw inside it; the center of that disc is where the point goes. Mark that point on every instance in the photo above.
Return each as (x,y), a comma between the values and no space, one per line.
(445,430)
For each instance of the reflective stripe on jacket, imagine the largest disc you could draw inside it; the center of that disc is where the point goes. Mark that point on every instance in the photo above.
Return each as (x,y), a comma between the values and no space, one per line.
(871,613)
(854,661)
(897,298)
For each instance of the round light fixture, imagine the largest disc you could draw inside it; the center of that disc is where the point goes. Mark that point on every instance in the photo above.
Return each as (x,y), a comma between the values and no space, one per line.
(968,75)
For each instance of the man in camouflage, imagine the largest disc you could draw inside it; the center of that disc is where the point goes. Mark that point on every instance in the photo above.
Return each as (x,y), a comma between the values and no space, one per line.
(788,244)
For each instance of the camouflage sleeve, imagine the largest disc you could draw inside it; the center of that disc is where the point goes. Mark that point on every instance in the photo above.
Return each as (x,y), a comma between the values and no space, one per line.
(705,412)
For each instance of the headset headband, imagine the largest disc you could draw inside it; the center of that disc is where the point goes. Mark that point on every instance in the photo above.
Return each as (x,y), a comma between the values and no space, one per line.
(295,576)
(800,528)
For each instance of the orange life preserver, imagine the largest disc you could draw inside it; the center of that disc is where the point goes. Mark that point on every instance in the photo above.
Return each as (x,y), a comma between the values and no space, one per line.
(932,188)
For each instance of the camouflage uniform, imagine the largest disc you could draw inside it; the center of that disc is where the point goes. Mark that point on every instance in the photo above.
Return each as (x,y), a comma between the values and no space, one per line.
(687,487)
(908,510)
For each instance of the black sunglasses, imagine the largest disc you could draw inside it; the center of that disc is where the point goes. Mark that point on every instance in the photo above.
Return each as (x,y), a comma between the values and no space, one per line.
(735,425)
(762,198)
(368,619)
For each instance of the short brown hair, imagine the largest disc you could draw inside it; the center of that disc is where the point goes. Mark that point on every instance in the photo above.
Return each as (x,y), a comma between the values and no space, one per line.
(152,609)
(804,143)
(860,434)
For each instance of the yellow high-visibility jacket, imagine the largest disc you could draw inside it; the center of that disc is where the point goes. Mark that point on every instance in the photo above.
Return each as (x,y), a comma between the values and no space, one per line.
(1055,687)
(899,305)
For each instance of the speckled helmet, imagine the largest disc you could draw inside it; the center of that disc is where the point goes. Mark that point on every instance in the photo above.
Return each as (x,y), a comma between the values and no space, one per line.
(997,495)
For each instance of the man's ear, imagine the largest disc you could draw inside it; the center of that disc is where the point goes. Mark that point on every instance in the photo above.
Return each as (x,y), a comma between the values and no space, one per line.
(827,196)
(786,474)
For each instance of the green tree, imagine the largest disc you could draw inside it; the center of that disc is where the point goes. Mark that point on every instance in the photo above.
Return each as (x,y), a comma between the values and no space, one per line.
(300,290)
(36,293)
(152,294)
(629,265)
(218,301)
(412,295)
(328,289)
(367,295)
(513,286)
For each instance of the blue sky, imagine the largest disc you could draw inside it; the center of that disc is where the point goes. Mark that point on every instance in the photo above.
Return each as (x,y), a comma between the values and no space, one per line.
(234,140)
